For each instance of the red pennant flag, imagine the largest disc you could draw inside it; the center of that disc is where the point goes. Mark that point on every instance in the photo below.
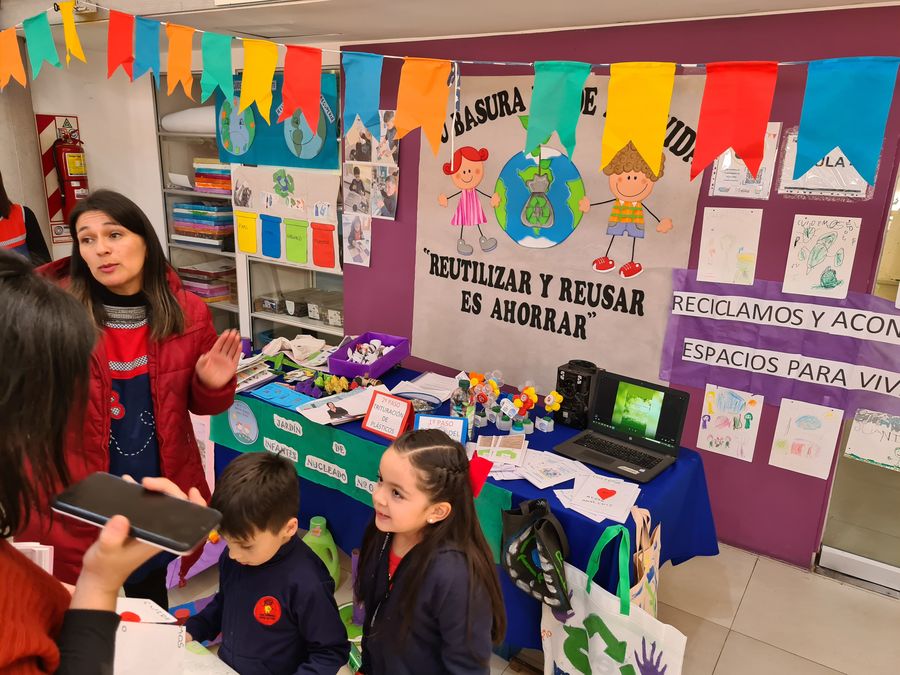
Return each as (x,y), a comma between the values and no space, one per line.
(120,38)
(734,113)
(302,86)
(479,468)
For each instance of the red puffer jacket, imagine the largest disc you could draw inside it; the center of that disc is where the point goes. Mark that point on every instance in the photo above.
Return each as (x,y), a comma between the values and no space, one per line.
(175,389)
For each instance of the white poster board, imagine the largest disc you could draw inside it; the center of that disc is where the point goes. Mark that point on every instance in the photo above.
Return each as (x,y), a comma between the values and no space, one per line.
(524,281)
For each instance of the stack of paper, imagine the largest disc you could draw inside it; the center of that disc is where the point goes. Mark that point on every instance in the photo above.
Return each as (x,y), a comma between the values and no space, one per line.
(40,554)
(432,384)
(253,371)
(599,497)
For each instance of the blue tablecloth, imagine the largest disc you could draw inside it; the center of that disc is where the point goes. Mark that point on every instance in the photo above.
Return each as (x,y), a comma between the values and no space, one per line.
(677,499)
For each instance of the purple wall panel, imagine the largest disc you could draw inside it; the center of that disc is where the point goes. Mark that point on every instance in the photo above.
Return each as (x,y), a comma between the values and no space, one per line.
(758,507)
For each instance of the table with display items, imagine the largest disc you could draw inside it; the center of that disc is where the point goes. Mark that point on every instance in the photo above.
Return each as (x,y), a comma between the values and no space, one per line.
(339,465)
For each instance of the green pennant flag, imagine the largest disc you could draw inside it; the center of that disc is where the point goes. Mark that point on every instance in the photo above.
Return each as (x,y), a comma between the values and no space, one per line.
(556,102)
(39,41)
(217,72)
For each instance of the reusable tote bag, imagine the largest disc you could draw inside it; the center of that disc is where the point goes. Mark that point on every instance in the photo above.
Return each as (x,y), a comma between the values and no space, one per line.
(603,633)
(646,561)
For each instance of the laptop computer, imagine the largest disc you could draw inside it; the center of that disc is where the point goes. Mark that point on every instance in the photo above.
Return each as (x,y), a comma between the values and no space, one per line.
(635,428)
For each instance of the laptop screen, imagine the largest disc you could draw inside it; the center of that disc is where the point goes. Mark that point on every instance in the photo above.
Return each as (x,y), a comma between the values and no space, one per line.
(647,414)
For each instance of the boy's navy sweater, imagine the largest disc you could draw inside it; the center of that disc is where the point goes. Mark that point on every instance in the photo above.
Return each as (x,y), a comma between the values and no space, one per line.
(441,640)
(278,618)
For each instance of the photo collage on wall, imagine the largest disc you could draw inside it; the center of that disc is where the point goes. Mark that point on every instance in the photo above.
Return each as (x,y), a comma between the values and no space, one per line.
(371,185)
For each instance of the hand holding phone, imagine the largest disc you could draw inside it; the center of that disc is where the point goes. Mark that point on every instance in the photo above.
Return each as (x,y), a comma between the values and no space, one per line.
(170,523)
(115,554)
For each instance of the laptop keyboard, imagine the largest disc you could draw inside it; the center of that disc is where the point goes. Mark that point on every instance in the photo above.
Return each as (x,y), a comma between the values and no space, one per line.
(618,451)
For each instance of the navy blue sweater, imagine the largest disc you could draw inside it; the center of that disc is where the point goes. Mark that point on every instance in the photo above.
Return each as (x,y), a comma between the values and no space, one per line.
(440,641)
(278,618)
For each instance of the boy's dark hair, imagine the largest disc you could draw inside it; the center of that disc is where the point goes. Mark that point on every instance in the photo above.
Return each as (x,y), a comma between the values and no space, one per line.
(257,492)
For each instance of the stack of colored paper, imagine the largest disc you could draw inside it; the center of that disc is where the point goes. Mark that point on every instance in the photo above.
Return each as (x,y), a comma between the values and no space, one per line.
(211,281)
(212,176)
(208,223)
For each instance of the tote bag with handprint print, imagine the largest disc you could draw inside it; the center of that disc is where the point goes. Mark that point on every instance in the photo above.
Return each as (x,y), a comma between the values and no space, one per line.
(604,634)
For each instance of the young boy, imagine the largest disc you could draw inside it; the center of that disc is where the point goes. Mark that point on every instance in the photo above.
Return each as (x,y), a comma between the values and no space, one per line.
(275,607)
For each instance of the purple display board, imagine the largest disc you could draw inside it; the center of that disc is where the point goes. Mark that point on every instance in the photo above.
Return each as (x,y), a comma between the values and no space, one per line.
(757,507)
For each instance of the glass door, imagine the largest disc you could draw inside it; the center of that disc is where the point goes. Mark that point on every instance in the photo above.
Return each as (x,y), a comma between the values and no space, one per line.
(862,531)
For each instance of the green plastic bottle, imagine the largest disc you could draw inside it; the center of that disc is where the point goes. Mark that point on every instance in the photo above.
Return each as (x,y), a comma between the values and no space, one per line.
(319,539)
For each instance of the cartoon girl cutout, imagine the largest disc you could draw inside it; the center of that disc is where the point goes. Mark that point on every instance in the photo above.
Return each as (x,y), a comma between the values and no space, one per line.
(467,172)
(631,181)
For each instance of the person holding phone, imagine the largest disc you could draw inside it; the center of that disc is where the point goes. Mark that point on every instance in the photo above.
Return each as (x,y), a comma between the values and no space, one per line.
(157,358)
(45,630)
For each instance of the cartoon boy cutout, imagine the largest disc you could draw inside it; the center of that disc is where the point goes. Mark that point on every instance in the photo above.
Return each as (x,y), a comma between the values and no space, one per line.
(467,172)
(631,181)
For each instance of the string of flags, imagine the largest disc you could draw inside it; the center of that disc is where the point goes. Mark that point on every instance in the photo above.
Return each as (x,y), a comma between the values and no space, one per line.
(845,104)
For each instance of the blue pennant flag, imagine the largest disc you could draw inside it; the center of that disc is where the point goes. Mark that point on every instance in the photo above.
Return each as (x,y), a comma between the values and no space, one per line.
(146,47)
(846,105)
(362,90)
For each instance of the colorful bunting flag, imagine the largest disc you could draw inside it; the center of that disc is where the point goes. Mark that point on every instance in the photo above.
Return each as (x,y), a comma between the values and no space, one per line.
(178,66)
(637,110)
(73,43)
(362,90)
(302,87)
(146,48)
(119,39)
(737,102)
(260,59)
(556,102)
(846,105)
(422,98)
(216,50)
(11,65)
(39,42)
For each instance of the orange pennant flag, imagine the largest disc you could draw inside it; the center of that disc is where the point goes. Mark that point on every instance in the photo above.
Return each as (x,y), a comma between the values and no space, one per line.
(422,98)
(179,63)
(11,65)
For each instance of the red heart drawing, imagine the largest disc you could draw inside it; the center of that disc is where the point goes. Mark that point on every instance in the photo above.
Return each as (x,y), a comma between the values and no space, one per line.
(605,493)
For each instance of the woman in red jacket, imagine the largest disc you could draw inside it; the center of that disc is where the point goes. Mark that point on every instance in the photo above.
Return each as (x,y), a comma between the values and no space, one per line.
(157,358)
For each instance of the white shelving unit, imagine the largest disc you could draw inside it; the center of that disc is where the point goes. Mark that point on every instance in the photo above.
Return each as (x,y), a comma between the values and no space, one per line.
(257,275)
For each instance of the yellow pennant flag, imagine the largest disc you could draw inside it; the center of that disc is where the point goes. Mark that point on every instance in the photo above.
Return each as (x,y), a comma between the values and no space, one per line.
(422,98)
(260,59)
(11,65)
(73,44)
(178,66)
(637,110)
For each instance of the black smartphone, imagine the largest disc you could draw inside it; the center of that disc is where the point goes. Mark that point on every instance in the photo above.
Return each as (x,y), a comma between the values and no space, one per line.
(172,524)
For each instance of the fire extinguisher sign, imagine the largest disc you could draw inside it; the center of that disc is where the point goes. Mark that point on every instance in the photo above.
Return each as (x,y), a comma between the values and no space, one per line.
(50,128)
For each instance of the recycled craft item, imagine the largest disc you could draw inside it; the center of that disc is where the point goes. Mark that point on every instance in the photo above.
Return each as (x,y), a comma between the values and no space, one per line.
(534,551)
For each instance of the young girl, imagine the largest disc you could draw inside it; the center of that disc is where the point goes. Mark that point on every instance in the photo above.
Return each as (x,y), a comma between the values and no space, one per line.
(467,171)
(427,579)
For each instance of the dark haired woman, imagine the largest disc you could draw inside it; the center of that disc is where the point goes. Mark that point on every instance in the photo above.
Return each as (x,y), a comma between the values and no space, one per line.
(19,230)
(45,347)
(157,358)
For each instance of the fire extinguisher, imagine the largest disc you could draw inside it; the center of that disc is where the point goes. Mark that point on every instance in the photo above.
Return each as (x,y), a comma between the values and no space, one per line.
(71,171)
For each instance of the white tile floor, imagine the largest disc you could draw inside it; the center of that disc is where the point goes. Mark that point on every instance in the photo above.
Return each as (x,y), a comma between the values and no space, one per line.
(745,615)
